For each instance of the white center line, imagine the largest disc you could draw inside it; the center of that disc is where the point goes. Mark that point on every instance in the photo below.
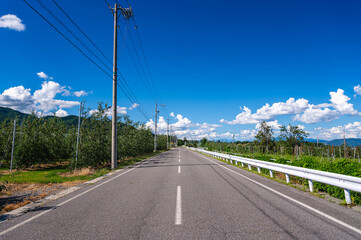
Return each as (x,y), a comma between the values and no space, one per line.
(179,169)
(178,211)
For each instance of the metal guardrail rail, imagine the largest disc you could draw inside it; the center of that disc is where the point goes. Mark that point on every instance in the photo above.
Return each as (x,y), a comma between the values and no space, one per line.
(348,183)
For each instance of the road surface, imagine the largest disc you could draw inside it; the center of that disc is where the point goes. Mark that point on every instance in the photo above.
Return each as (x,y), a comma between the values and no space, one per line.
(181,194)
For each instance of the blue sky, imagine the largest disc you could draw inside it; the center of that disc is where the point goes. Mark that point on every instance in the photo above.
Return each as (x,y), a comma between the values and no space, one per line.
(207,59)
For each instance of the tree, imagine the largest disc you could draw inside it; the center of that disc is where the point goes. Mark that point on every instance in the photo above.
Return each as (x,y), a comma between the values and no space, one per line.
(265,135)
(203,142)
(292,135)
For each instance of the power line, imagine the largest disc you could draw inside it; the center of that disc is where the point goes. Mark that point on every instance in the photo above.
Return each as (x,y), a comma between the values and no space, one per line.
(76,25)
(67,39)
(71,32)
(102,69)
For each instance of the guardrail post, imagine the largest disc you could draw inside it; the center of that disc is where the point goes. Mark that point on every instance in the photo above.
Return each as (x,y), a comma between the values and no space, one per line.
(242,164)
(310,185)
(249,167)
(347,196)
(271,173)
(259,169)
(287,178)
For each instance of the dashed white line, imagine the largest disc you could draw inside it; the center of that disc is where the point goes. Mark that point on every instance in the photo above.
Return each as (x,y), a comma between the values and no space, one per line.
(179,169)
(178,211)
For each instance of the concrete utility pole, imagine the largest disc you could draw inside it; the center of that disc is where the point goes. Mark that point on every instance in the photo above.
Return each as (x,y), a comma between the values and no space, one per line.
(114,106)
(127,13)
(12,149)
(78,137)
(155,127)
(168,143)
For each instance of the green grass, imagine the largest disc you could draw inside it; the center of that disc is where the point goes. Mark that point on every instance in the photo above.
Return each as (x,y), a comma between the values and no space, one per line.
(52,175)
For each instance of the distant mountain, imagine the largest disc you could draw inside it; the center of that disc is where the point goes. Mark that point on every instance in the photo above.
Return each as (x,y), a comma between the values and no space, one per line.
(353,142)
(349,142)
(7,113)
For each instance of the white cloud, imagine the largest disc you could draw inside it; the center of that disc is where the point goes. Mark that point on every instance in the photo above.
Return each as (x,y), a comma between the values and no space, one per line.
(42,75)
(357,90)
(301,110)
(134,105)
(247,134)
(172,114)
(183,127)
(291,106)
(341,104)
(81,93)
(43,100)
(245,117)
(12,22)
(109,112)
(273,124)
(352,130)
(313,114)
(61,113)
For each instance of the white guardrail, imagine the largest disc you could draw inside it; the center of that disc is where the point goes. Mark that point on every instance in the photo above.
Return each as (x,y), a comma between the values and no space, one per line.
(348,183)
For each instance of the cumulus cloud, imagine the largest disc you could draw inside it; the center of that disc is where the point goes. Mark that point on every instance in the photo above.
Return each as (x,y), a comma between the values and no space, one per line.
(172,114)
(341,104)
(275,125)
(12,22)
(42,75)
(301,110)
(357,90)
(109,113)
(184,127)
(61,113)
(44,100)
(352,130)
(81,93)
(313,114)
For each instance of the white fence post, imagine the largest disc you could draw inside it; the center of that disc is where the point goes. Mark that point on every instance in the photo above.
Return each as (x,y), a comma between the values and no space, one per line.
(242,164)
(271,173)
(259,169)
(249,167)
(347,196)
(287,178)
(310,185)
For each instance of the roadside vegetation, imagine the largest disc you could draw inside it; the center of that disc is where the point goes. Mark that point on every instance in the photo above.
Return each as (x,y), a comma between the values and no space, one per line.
(45,151)
(291,148)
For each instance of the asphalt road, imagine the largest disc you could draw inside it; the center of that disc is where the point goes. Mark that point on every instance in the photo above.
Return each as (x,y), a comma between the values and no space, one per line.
(181,194)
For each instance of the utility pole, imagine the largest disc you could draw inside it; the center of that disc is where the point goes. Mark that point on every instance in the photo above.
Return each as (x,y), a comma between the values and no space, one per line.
(127,13)
(155,127)
(12,149)
(168,143)
(78,137)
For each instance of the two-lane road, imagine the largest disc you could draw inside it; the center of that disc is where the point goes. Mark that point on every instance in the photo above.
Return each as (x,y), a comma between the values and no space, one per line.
(184,195)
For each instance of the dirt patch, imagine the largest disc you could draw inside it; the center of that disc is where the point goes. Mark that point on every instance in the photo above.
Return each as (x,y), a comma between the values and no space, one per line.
(19,194)
(80,172)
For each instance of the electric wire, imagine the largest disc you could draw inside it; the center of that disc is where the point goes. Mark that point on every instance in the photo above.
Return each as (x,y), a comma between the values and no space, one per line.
(76,25)
(84,54)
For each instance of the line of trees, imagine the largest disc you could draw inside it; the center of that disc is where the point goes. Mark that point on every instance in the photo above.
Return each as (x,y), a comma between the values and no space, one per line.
(40,140)
(291,141)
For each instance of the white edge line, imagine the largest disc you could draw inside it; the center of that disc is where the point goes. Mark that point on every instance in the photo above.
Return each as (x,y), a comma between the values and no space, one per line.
(291,199)
(178,211)
(60,204)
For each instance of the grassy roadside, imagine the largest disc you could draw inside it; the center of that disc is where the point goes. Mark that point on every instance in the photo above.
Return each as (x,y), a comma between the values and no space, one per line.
(23,187)
(299,183)
(60,174)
